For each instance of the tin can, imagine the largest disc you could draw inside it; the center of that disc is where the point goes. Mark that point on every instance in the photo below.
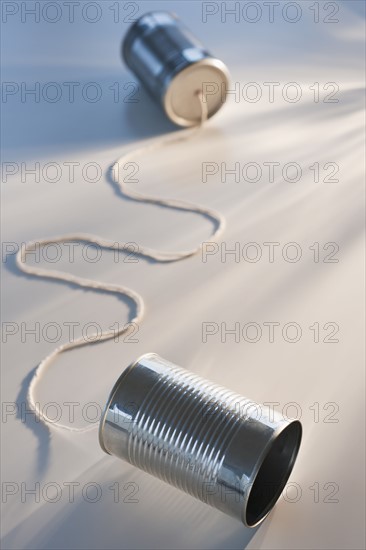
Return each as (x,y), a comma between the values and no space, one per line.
(173,66)
(212,443)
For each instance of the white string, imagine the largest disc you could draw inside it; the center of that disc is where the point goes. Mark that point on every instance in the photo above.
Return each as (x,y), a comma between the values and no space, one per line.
(112,245)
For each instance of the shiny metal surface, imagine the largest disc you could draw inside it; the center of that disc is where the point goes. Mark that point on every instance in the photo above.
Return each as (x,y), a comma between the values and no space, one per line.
(200,437)
(173,65)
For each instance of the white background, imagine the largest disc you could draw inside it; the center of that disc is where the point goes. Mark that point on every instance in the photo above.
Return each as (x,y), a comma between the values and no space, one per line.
(183,295)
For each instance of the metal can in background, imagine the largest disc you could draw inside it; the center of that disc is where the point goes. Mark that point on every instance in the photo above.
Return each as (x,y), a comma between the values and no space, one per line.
(173,66)
(213,444)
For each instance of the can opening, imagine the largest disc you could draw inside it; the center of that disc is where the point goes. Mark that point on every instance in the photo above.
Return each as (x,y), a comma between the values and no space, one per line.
(273,474)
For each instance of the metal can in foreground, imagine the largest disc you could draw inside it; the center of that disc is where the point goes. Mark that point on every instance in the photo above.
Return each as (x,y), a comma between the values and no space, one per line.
(215,445)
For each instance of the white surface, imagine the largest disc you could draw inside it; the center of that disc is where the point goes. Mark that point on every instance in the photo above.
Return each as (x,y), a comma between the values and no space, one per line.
(183,295)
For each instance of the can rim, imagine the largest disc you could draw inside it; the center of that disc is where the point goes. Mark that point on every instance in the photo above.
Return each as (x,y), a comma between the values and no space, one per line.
(291,424)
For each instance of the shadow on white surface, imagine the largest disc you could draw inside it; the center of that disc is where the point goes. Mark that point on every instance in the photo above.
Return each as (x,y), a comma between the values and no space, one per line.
(81,124)
(144,517)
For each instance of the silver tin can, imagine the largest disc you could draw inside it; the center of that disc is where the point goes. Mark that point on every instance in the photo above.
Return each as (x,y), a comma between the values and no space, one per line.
(173,66)
(215,445)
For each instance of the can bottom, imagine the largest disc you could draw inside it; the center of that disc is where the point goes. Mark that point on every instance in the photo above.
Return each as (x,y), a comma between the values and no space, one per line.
(211,77)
